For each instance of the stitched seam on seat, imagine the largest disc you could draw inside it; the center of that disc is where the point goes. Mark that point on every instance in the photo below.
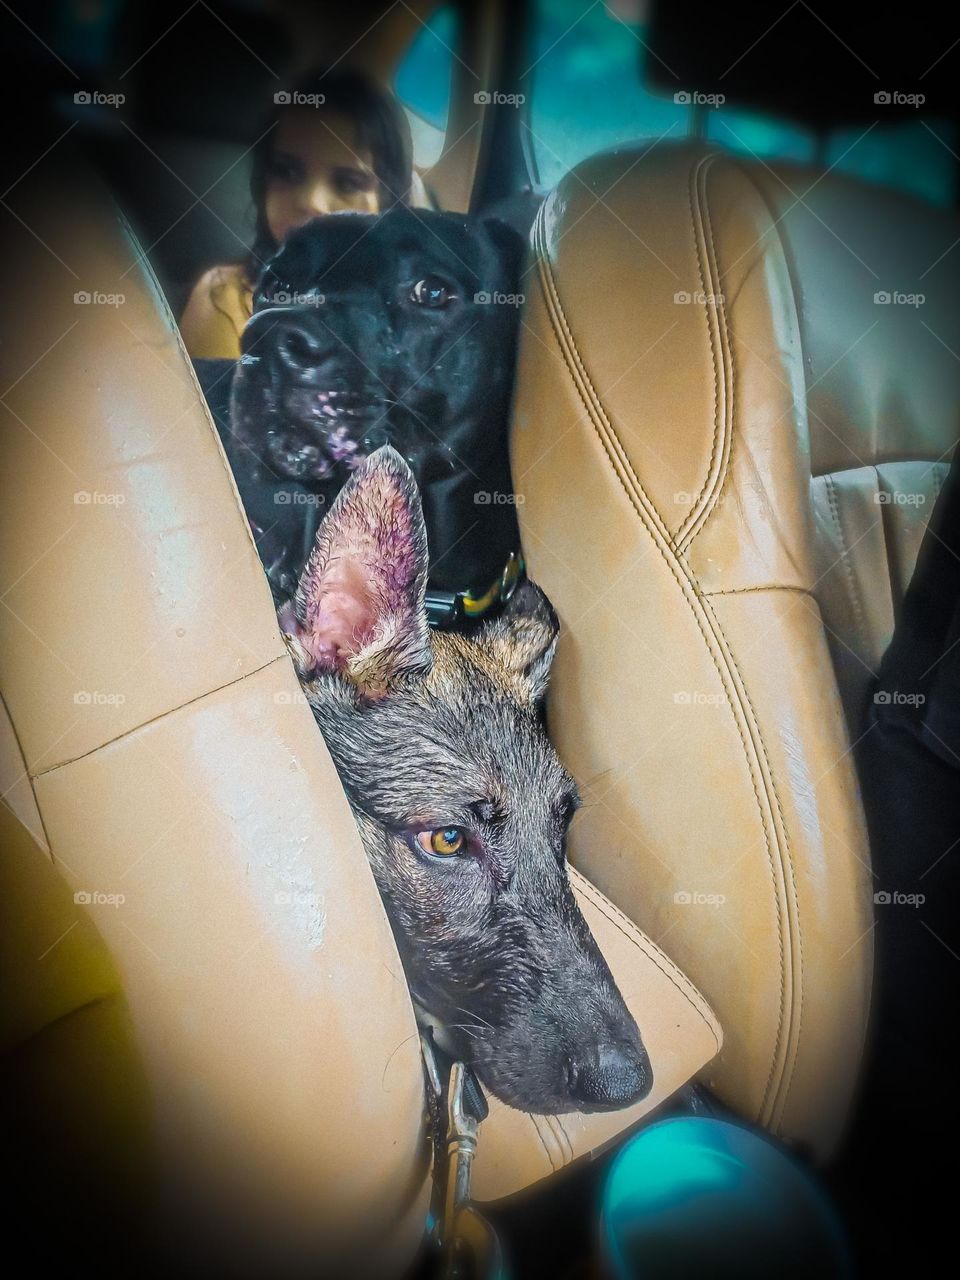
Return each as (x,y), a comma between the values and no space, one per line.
(770,586)
(750,769)
(670,971)
(564,1147)
(535,1121)
(565,1140)
(724,397)
(578,372)
(64,764)
(845,561)
(697,211)
(678,571)
(791,1052)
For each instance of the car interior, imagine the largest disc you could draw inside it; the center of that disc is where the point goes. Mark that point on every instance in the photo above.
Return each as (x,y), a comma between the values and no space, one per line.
(735,409)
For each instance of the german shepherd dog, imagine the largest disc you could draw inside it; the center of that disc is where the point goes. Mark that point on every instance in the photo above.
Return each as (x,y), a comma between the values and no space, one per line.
(461,802)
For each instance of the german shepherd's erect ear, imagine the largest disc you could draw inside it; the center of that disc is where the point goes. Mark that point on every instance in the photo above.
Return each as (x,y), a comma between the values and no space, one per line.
(359,608)
(523,638)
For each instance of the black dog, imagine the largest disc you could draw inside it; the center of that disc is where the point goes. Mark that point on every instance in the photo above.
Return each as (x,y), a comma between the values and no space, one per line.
(367,330)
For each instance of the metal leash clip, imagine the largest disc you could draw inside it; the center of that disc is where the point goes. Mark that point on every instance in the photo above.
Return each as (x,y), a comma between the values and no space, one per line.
(468,1244)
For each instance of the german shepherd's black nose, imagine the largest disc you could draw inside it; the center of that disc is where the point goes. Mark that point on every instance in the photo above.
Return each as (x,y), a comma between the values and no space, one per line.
(610,1075)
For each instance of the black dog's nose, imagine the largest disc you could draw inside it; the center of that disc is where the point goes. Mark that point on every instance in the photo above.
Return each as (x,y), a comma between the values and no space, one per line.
(300,344)
(610,1075)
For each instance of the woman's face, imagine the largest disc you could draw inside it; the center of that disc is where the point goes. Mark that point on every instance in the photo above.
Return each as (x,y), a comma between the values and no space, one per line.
(316,166)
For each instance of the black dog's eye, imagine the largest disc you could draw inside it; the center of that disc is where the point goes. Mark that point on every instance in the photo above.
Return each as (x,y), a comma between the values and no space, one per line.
(431,292)
(445,841)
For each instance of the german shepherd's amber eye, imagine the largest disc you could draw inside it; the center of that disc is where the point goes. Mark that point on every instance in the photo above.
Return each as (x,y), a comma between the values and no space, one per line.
(445,841)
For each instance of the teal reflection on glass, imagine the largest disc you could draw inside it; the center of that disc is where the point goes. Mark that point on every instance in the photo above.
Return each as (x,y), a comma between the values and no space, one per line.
(587,92)
(914,156)
(757,135)
(422,80)
(698,1197)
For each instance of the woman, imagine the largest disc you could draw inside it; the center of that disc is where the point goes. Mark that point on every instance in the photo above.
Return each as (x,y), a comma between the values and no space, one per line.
(350,150)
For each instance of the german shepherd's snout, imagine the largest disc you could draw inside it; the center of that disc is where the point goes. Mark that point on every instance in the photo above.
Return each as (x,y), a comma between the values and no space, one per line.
(462,804)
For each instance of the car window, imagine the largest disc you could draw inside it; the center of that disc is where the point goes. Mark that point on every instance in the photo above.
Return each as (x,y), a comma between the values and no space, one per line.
(587,69)
(913,156)
(758,135)
(587,96)
(916,156)
(422,83)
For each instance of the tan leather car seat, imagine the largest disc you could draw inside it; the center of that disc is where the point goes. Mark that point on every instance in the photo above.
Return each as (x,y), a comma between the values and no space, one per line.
(201,979)
(726,451)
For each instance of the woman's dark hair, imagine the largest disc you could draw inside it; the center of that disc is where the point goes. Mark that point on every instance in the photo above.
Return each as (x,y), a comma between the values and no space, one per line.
(381,128)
